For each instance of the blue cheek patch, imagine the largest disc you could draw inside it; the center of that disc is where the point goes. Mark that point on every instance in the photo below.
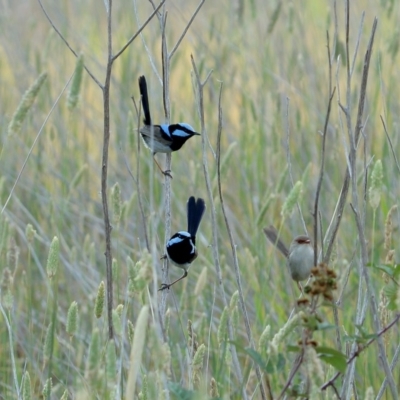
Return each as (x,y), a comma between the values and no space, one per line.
(165,129)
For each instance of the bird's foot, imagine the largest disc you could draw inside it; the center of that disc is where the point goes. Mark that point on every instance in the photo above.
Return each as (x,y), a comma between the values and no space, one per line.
(164,286)
(167,173)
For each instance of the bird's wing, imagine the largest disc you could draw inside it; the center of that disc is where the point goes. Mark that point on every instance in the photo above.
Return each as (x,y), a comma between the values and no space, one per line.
(154,132)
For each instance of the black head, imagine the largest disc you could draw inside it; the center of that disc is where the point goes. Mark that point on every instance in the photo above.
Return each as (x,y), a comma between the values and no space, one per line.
(180,133)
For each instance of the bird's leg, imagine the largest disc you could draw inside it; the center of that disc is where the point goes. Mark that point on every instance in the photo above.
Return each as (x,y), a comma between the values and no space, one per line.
(301,289)
(166,172)
(167,286)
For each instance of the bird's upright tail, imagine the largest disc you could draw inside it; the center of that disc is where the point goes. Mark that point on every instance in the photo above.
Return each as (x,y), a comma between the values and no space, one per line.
(195,211)
(145,100)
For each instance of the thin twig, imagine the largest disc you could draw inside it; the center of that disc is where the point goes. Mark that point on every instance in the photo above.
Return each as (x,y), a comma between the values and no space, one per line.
(390,144)
(168,158)
(321,173)
(235,258)
(11,347)
(345,188)
(186,29)
(104,172)
(34,143)
(360,349)
(200,104)
(68,45)
(296,366)
(392,365)
(138,32)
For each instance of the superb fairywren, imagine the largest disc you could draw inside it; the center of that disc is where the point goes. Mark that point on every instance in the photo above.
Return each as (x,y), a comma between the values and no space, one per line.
(162,138)
(181,248)
(300,254)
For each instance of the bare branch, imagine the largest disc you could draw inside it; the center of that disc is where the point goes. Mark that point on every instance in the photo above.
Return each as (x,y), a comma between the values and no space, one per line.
(199,91)
(185,30)
(321,173)
(68,45)
(390,144)
(235,258)
(360,349)
(138,32)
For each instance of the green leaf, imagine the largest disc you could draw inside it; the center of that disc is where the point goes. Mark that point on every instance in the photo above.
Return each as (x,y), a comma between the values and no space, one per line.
(333,357)
(258,359)
(392,270)
(267,367)
(180,393)
(281,362)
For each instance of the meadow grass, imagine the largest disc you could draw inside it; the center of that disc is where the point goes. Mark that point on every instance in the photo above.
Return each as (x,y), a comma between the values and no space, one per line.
(272,62)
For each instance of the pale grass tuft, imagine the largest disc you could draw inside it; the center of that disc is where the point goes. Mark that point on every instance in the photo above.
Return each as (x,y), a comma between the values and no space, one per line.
(115,269)
(375,189)
(369,394)
(78,178)
(111,363)
(48,386)
(25,105)
(264,340)
(234,311)
(201,282)
(167,320)
(12,254)
(131,330)
(390,257)
(197,364)
(214,393)
(222,333)
(72,319)
(119,309)
(48,342)
(137,349)
(284,331)
(234,301)
(384,313)
(165,356)
(94,356)
(143,392)
(116,203)
(389,227)
(75,88)
(26,387)
(64,395)
(99,303)
(117,322)
(315,372)
(145,270)
(53,258)
(192,338)
(7,289)
(292,199)
(30,233)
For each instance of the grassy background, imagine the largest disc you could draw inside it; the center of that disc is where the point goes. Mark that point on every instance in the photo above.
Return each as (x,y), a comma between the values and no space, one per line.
(272,60)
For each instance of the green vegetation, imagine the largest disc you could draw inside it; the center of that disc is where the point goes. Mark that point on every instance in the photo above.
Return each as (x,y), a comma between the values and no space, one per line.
(268,92)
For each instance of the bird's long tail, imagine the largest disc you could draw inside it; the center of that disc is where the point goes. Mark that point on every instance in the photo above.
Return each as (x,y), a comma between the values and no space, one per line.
(195,211)
(145,100)
(272,234)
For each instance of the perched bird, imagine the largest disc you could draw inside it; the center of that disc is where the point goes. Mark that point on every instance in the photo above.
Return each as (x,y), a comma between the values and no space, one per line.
(162,138)
(300,254)
(181,248)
